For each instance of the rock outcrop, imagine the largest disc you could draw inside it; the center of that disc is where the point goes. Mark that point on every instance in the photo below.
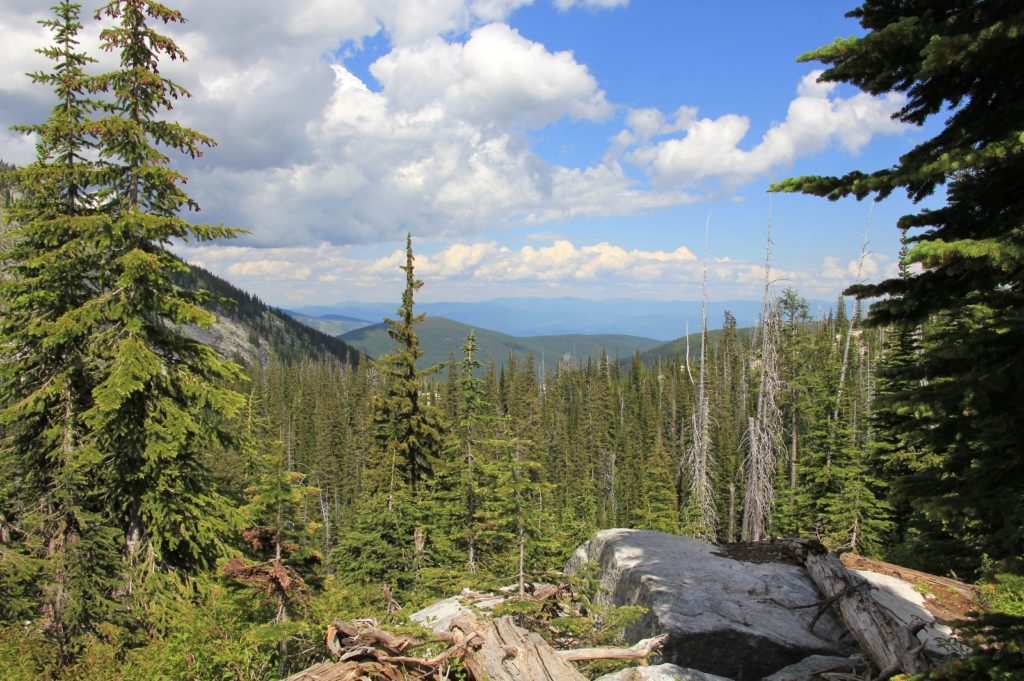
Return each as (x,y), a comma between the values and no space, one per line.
(440,615)
(736,618)
(660,672)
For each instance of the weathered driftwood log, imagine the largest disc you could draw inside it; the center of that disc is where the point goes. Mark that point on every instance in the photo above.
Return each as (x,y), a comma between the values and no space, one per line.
(496,651)
(856,562)
(952,601)
(889,645)
(341,635)
(638,651)
(509,653)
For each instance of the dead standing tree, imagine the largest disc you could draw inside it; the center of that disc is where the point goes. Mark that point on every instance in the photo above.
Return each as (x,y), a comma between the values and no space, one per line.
(851,325)
(700,513)
(764,430)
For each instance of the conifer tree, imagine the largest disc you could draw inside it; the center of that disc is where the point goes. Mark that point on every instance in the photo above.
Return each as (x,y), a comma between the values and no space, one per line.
(515,524)
(159,397)
(794,316)
(949,59)
(657,507)
(730,422)
(390,538)
(52,264)
(456,485)
(408,429)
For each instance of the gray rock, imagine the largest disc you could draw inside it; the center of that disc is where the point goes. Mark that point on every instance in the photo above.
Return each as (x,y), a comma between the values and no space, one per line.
(660,672)
(439,616)
(807,670)
(728,617)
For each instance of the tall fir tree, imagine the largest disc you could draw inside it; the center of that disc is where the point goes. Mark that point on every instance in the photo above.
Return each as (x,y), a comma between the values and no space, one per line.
(52,266)
(390,539)
(160,398)
(948,58)
(109,420)
(408,427)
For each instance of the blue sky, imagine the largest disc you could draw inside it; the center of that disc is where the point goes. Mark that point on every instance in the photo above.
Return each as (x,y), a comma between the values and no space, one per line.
(544,147)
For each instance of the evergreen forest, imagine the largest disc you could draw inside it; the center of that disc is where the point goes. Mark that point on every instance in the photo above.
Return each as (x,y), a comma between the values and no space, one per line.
(168,512)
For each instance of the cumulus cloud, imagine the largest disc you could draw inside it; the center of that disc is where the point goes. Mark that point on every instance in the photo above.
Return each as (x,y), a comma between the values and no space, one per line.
(439,138)
(496,77)
(486,268)
(441,147)
(710,147)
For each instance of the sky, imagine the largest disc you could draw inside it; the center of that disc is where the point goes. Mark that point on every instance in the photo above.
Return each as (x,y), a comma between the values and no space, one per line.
(591,148)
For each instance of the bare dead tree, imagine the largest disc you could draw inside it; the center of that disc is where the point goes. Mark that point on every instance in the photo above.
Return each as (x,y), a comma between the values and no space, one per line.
(764,429)
(701,507)
(851,325)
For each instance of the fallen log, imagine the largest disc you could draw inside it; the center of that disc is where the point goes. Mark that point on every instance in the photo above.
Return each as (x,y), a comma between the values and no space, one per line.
(951,600)
(508,653)
(889,645)
(493,651)
(638,651)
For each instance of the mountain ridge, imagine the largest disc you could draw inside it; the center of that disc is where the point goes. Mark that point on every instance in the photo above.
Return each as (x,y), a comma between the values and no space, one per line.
(535,316)
(440,337)
(249,330)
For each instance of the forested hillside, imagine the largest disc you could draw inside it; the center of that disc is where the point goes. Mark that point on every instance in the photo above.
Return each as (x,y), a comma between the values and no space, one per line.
(173,510)
(441,339)
(248,330)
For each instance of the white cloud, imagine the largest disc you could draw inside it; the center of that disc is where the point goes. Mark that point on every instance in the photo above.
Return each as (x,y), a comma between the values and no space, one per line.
(495,77)
(405,21)
(712,147)
(17,148)
(485,268)
(440,140)
(269,269)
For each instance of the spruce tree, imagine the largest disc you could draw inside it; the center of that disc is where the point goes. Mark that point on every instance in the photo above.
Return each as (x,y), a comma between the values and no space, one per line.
(107,409)
(472,415)
(456,485)
(52,263)
(949,59)
(390,538)
(408,428)
(159,398)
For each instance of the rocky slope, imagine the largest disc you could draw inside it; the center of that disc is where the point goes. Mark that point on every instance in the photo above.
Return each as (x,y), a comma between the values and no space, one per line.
(248,330)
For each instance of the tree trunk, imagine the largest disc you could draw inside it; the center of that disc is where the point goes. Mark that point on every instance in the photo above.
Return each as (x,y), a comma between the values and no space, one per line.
(891,647)
(509,653)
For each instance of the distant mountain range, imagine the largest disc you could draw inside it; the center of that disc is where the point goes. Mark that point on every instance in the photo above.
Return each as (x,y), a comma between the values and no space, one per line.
(331,324)
(440,337)
(661,320)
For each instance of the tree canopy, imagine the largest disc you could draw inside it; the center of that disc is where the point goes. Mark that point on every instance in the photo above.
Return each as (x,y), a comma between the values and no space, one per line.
(952,59)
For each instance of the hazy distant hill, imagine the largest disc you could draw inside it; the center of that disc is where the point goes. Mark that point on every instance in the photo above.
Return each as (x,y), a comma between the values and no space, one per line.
(331,324)
(677,347)
(663,320)
(250,330)
(440,336)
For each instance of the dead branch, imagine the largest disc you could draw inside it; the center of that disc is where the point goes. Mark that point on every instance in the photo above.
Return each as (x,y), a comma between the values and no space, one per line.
(347,635)
(496,651)
(638,651)
(888,644)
